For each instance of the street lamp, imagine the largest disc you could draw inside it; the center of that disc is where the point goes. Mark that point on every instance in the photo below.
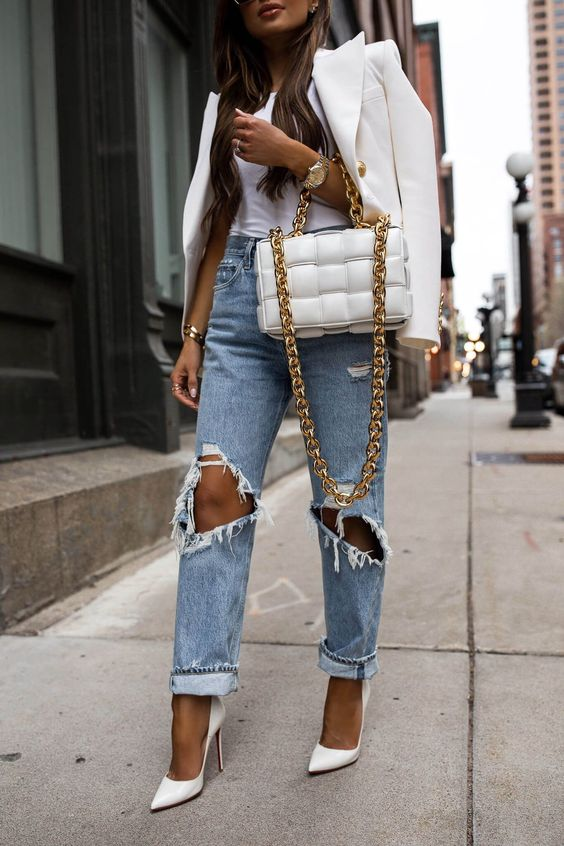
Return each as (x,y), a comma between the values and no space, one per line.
(528,391)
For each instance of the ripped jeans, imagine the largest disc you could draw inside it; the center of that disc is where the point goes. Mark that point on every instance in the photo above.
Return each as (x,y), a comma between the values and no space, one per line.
(244,395)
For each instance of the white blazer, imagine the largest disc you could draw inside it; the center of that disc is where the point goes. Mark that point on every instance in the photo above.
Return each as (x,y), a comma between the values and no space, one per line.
(385,136)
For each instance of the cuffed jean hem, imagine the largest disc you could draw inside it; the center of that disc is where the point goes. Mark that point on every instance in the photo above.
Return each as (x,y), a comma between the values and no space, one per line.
(346,668)
(206,683)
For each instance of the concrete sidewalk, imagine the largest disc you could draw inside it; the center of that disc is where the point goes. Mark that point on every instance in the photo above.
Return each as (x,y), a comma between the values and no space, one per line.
(463,739)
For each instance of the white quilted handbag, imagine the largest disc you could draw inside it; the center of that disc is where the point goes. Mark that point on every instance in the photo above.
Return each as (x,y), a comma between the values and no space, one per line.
(331,281)
(351,280)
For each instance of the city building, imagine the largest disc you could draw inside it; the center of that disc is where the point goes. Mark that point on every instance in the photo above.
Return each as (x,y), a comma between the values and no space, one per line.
(429,86)
(546,39)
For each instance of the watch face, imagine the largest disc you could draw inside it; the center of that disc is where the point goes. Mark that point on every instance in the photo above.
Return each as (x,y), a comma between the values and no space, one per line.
(316,174)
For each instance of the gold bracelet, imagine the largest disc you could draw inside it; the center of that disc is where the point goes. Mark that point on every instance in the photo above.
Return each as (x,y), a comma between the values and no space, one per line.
(198,338)
(191,332)
(190,326)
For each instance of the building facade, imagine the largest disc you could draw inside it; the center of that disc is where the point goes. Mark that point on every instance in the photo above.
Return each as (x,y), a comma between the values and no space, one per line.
(103,101)
(546,43)
(429,78)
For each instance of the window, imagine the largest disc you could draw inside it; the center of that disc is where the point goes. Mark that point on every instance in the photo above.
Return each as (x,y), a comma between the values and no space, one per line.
(542,68)
(541,54)
(544,116)
(544,167)
(167,72)
(30,216)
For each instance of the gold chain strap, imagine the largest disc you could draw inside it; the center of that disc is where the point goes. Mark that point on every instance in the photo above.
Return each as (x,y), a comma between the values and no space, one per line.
(379,317)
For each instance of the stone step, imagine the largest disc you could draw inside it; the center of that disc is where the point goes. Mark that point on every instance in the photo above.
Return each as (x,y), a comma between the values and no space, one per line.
(65,520)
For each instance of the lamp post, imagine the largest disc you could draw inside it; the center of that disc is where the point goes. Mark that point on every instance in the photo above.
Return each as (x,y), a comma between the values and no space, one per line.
(529,391)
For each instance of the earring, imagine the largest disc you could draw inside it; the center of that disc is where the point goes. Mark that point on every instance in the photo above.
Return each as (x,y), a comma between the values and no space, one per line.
(312,11)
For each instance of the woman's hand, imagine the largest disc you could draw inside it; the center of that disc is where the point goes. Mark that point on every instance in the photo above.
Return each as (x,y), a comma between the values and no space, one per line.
(185,373)
(261,142)
(265,144)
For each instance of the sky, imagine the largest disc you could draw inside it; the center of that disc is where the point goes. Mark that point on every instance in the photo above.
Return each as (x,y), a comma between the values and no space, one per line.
(486,97)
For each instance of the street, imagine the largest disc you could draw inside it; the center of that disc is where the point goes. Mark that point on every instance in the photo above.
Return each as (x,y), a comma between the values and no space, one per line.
(463,739)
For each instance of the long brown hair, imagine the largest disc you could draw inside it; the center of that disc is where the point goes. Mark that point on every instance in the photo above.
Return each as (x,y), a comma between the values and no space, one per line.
(245,82)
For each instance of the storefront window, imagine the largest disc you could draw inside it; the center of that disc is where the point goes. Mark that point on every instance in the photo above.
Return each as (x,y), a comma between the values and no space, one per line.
(170,153)
(30,216)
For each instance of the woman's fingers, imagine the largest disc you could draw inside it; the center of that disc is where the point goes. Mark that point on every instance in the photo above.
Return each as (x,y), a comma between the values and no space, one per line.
(185,386)
(192,384)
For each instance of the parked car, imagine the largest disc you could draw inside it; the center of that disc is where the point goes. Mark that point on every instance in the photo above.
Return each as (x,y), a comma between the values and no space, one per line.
(543,367)
(558,376)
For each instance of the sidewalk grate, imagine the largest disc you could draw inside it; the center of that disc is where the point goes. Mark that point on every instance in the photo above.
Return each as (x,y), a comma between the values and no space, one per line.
(518,458)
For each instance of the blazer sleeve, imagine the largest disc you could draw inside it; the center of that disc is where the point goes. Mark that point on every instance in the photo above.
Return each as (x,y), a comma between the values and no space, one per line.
(198,199)
(413,143)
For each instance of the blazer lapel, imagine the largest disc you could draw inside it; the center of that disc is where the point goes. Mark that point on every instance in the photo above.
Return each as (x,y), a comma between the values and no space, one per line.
(339,79)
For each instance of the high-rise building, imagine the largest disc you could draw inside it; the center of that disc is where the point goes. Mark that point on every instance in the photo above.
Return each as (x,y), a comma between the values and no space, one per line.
(546,37)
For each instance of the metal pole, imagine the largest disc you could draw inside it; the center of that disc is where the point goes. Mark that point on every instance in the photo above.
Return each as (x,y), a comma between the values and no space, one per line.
(528,392)
(527,330)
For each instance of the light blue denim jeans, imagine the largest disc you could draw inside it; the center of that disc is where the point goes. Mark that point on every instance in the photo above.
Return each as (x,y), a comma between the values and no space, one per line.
(244,394)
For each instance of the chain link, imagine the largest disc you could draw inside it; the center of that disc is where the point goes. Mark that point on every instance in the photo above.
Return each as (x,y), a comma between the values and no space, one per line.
(307,425)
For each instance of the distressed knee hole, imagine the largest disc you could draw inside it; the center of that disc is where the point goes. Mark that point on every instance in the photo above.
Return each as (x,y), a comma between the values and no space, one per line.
(217,497)
(361,543)
(214,504)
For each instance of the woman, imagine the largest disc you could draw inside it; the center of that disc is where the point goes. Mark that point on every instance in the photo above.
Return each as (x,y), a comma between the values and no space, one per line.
(286,106)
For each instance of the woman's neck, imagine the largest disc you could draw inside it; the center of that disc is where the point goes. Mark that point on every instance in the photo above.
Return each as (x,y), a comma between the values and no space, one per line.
(277,60)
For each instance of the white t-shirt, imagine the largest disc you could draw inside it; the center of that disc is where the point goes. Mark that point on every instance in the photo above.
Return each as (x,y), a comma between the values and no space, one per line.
(257,214)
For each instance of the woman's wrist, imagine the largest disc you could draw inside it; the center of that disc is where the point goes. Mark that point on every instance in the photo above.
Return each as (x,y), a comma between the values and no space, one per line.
(299,159)
(191,331)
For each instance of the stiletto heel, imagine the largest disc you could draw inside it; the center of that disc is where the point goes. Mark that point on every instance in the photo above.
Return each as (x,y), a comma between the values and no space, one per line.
(324,759)
(172,792)
(219,752)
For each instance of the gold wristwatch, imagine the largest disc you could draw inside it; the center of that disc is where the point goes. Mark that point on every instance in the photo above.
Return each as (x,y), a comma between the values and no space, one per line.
(317,173)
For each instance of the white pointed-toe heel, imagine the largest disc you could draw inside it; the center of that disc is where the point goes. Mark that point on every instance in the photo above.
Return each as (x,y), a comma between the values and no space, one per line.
(171,792)
(324,759)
